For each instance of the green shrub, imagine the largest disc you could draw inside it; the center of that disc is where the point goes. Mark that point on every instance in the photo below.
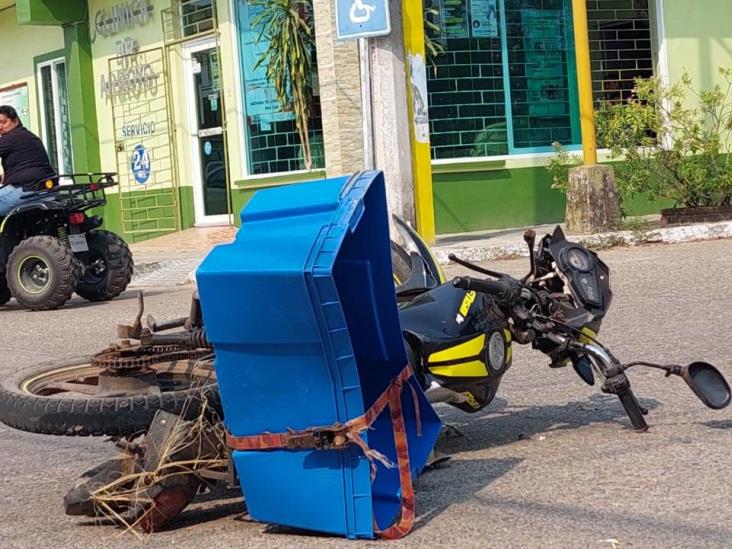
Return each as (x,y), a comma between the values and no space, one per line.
(674,142)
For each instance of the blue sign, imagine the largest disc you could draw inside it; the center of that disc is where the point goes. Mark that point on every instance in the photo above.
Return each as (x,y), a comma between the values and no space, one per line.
(141,164)
(362,18)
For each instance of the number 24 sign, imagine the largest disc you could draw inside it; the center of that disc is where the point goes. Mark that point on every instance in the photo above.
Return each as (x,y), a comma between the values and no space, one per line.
(141,164)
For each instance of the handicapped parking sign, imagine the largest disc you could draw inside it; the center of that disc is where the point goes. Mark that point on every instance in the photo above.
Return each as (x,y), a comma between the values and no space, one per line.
(141,164)
(362,18)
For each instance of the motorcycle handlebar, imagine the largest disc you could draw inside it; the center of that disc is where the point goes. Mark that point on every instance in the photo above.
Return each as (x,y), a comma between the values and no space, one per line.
(633,409)
(504,290)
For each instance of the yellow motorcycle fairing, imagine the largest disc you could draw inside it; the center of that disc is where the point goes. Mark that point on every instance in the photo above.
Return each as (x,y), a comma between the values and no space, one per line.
(461,360)
(467,359)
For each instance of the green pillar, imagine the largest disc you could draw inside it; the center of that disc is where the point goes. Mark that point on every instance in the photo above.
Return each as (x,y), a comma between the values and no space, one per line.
(82,102)
(49,12)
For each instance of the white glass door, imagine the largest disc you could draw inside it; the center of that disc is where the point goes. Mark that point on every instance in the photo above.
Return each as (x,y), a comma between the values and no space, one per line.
(55,120)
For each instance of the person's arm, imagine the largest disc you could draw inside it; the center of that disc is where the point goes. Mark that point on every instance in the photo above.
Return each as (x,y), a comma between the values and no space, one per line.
(3,152)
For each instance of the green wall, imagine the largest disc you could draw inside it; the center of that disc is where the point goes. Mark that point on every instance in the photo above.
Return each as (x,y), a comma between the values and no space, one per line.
(698,38)
(495,199)
(503,198)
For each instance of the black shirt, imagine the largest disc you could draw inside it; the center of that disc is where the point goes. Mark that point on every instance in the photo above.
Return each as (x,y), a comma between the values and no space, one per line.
(24,158)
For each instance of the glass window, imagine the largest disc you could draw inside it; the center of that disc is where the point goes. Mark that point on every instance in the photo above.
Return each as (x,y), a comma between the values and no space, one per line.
(620,46)
(467,102)
(273,141)
(197,16)
(55,119)
(506,82)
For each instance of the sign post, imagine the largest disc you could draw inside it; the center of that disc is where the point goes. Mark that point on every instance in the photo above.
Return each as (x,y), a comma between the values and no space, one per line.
(361,19)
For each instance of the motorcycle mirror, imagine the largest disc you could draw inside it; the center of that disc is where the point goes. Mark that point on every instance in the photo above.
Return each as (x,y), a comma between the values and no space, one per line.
(708,384)
(583,367)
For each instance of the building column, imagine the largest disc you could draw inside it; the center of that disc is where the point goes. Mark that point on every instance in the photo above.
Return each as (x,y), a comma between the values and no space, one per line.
(592,198)
(416,67)
(82,101)
(584,81)
(340,94)
(391,120)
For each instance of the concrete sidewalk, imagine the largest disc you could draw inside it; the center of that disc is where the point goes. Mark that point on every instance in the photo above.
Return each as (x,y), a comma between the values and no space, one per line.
(171,260)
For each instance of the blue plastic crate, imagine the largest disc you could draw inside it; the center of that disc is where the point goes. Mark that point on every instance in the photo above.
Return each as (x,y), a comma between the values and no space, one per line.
(302,313)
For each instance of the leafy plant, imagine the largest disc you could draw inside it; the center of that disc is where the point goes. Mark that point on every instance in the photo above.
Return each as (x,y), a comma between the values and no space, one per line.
(675,141)
(432,29)
(559,166)
(288,27)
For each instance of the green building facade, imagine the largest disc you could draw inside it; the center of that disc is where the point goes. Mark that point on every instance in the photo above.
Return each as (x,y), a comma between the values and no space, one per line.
(168,94)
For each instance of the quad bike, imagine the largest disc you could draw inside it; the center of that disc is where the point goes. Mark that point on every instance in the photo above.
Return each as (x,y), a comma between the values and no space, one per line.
(50,248)
(458,335)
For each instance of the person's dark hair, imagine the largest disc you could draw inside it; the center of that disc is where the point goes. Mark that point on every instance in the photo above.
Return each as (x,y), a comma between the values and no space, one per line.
(9,112)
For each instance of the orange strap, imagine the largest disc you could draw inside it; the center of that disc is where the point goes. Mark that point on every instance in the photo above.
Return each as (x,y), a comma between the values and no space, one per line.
(340,436)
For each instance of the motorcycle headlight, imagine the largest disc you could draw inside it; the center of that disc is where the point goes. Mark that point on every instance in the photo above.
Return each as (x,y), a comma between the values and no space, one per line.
(589,289)
(578,259)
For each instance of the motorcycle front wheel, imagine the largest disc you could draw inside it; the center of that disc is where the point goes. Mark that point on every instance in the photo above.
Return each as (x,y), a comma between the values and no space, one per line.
(61,398)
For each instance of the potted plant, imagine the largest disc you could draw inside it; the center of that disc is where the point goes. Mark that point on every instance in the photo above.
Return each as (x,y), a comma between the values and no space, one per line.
(288,27)
(675,143)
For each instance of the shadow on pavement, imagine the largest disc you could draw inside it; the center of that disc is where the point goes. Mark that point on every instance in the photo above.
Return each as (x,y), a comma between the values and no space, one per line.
(719,424)
(615,521)
(79,303)
(501,424)
(435,495)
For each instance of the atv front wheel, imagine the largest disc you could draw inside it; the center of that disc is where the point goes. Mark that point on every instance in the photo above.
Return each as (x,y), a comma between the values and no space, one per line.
(42,273)
(108,267)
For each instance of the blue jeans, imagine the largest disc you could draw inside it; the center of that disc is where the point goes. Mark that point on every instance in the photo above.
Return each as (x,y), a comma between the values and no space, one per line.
(9,198)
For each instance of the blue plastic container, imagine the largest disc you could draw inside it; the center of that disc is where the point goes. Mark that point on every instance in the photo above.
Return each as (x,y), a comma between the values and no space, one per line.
(302,313)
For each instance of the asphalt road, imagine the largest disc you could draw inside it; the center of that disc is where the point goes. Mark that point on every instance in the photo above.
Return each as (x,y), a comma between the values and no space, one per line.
(550,463)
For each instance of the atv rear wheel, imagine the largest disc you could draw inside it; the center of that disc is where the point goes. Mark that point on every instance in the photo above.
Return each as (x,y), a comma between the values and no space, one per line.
(108,267)
(57,398)
(42,273)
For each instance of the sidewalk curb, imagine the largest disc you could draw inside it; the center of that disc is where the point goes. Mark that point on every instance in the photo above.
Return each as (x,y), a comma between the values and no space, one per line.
(602,241)
(178,272)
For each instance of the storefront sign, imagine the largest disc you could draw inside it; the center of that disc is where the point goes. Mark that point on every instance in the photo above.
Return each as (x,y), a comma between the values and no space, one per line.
(138,129)
(134,79)
(454,18)
(260,97)
(483,18)
(133,82)
(123,16)
(141,164)
(17,97)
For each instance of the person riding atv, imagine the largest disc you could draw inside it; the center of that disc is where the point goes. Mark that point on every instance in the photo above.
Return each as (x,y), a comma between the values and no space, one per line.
(49,247)
(24,160)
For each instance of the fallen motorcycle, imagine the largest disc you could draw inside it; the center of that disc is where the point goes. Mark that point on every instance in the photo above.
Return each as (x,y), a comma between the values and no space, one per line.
(154,391)
(459,334)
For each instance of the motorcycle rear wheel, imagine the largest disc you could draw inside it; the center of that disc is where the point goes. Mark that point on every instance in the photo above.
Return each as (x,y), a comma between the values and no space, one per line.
(42,398)
(401,264)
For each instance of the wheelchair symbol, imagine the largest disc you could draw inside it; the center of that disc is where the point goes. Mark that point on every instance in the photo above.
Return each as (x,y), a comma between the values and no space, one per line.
(360,12)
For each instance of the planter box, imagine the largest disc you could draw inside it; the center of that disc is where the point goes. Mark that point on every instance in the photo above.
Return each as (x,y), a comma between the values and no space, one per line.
(706,214)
